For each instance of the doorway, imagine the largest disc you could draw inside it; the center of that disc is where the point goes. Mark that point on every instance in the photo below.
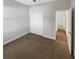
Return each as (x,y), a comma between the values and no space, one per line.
(61,26)
(64,27)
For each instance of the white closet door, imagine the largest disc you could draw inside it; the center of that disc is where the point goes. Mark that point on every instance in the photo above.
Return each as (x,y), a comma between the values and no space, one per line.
(36,23)
(69,27)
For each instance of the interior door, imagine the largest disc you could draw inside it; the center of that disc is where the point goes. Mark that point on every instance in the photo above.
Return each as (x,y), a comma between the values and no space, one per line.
(36,23)
(69,28)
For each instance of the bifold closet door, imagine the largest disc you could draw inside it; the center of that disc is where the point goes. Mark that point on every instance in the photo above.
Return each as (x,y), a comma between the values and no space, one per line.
(36,23)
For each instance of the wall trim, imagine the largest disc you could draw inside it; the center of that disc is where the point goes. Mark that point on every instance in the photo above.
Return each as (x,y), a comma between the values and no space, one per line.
(45,36)
(4,43)
(53,38)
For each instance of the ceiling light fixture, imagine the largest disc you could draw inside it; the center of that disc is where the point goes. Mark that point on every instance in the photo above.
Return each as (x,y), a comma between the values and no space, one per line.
(34,0)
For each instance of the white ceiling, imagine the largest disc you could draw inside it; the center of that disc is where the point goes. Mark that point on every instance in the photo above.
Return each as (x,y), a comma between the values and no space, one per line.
(30,2)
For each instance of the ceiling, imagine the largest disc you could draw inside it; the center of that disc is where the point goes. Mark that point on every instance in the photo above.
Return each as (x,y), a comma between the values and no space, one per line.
(30,2)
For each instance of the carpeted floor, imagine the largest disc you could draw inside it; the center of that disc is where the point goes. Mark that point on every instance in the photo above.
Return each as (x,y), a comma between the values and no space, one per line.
(33,46)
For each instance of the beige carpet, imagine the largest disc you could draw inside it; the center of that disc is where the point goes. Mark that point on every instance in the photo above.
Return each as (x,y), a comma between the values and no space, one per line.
(33,46)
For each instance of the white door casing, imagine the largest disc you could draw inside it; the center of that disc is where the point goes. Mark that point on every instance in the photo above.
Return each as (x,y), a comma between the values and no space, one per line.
(69,27)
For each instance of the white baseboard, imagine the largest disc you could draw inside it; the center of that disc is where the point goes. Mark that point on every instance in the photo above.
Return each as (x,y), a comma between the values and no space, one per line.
(25,34)
(14,38)
(49,37)
(45,36)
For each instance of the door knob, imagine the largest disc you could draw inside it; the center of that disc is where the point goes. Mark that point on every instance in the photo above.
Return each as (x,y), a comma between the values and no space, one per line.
(70,32)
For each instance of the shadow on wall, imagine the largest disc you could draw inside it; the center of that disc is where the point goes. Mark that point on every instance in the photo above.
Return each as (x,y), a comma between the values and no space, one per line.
(73,33)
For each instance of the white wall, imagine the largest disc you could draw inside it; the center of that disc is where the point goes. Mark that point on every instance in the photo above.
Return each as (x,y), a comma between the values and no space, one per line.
(15,19)
(49,14)
(72,3)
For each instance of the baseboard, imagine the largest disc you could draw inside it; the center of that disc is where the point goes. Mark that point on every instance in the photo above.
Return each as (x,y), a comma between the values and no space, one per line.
(14,38)
(53,38)
(25,34)
(45,36)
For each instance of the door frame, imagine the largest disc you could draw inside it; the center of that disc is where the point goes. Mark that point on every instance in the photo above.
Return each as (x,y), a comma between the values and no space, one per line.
(67,29)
